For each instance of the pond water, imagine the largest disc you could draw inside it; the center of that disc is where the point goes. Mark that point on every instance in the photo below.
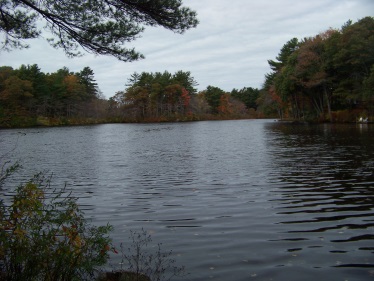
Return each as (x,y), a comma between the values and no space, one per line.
(234,200)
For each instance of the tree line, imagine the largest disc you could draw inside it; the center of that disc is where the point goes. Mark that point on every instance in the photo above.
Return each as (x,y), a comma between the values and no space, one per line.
(30,97)
(328,77)
(169,97)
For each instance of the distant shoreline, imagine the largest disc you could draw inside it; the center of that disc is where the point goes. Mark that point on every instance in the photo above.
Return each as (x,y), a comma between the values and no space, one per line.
(89,122)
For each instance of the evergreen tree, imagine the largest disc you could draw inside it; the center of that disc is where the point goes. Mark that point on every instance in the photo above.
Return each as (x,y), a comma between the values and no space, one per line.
(101,27)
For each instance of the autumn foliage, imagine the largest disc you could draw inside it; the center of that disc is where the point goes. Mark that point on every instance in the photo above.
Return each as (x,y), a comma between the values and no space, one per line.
(317,77)
(30,97)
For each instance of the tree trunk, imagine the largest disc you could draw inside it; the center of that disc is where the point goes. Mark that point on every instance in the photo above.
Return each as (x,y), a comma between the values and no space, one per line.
(328,102)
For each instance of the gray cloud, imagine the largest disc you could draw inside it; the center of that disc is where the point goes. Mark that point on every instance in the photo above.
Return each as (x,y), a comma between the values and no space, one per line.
(229,49)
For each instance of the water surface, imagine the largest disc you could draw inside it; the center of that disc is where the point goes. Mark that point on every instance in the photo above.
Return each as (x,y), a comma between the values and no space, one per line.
(234,200)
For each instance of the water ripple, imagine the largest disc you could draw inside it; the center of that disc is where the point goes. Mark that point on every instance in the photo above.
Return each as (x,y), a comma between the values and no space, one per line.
(234,200)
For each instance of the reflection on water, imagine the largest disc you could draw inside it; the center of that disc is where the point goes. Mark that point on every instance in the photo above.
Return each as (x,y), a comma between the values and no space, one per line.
(324,175)
(234,200)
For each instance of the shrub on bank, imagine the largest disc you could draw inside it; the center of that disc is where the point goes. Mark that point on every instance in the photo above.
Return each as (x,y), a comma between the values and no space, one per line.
(44,236)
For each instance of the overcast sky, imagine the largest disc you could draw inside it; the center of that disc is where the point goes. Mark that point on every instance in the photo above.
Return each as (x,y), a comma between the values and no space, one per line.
(228,49)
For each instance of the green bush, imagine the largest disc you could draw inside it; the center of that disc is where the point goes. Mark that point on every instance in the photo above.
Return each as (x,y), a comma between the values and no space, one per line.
(44,236)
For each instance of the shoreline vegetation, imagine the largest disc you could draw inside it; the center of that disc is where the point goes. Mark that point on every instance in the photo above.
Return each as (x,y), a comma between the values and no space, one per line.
(325,78)
(89,122)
